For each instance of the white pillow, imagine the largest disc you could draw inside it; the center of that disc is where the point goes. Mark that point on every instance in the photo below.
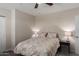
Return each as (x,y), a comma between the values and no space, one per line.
(52,35)
(42,34)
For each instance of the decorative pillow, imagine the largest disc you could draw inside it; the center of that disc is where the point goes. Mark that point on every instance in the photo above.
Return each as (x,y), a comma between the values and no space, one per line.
(52,35)
(46,34)
(42,34)
(57,36)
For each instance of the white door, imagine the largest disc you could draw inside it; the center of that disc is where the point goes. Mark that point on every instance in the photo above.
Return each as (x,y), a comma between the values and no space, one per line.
(2,34)
(77,34)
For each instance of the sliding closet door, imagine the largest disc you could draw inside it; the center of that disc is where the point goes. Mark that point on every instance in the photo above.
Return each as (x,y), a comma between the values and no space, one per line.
(2,34)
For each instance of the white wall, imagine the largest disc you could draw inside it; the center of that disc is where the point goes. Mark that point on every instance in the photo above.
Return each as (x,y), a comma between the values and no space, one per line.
(64,20)
(23,24)
(59,22)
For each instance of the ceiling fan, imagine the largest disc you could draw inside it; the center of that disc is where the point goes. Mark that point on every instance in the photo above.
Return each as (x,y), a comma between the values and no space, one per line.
(37,4)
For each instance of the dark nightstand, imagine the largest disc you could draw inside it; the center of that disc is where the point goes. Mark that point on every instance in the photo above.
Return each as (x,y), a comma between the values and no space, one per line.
(67,44)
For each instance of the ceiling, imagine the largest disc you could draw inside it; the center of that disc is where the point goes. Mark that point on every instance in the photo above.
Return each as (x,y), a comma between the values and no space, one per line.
(42,9)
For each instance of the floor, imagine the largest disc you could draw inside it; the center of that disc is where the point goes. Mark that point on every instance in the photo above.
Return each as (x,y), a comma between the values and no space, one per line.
(66,54)
(10,53)
(62,52)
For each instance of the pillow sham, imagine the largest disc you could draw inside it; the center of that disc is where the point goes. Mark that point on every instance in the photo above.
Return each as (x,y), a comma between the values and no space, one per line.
(42,34)
(52,35)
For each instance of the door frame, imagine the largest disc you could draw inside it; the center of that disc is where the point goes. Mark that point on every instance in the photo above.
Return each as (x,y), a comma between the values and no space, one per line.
(5,32)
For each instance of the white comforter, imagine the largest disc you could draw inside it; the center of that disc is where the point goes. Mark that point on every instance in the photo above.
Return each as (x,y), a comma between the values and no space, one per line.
(37,47)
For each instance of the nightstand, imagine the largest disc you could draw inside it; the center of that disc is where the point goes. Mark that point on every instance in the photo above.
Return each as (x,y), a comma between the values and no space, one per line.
(67,44)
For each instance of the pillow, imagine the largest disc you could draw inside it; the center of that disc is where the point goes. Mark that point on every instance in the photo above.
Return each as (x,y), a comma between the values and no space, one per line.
(57,36)
(52,35)
(42,34)
(46,34)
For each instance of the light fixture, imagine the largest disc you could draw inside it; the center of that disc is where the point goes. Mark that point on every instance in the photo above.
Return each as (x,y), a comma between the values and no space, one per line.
(35,32)
(68,35)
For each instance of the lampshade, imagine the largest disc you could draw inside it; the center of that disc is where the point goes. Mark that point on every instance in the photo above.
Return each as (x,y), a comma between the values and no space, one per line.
(68,33)
(35,30)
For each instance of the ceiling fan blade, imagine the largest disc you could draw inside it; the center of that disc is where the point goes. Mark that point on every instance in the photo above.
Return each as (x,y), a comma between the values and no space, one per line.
(36,5)
(50,4)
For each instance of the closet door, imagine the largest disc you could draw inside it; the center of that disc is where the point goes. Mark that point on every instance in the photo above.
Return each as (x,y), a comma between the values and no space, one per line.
(2,34)
(77,34)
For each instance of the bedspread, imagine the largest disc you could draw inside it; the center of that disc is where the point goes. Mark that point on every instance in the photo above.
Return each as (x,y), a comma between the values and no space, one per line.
(37,47)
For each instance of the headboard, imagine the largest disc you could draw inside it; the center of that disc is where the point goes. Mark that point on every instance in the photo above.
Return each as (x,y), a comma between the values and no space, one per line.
(48,34)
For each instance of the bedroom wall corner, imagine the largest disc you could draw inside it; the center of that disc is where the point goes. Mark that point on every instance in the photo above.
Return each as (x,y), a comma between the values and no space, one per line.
(23,26)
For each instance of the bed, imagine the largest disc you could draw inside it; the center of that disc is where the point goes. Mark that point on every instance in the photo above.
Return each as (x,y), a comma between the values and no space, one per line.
(46,44)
